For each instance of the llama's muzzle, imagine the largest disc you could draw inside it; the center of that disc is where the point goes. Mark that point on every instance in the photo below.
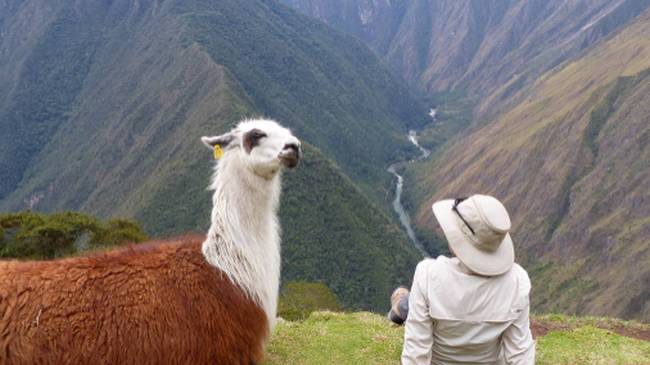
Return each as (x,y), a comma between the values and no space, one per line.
(290,155)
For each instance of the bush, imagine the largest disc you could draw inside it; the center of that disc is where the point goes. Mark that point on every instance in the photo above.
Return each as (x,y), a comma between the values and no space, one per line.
(298,299)
(42,236)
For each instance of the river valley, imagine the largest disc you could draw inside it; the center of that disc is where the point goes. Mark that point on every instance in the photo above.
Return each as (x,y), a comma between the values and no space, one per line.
(403,215)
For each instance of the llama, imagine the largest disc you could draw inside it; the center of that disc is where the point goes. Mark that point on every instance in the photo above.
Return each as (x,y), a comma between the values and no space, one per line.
(194,300)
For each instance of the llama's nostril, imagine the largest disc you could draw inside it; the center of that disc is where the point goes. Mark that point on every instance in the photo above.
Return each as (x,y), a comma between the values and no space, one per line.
(292,146)
(290,155)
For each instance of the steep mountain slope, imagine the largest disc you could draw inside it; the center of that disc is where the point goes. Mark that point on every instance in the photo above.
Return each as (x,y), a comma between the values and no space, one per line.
(332,233)
(481,48)
(570,161)
(290,67)
(102,105)
(374,22)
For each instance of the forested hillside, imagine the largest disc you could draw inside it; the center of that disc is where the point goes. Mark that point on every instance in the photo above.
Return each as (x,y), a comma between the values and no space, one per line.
(102,105)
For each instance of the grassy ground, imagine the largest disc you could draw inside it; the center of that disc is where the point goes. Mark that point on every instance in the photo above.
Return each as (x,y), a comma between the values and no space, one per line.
(365,338)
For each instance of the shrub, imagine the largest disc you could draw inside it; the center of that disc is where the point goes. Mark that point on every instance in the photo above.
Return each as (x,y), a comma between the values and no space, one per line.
(41,236)
(298,299)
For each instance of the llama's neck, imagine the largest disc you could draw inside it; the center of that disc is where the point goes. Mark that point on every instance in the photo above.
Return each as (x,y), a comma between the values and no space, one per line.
(244,240)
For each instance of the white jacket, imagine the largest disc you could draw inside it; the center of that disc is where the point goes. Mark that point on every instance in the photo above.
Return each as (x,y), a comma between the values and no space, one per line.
(456,317)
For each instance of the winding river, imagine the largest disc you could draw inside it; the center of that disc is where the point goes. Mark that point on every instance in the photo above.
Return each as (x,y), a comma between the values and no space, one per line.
(397,202)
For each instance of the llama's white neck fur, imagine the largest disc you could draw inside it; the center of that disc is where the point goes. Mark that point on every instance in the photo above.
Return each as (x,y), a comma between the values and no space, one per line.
(244,238)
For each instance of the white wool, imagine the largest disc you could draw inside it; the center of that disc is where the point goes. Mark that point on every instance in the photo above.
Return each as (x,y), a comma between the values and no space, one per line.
(244,237)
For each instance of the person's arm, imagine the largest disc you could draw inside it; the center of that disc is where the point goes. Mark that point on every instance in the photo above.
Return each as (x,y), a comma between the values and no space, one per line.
(418,332)
(517,340)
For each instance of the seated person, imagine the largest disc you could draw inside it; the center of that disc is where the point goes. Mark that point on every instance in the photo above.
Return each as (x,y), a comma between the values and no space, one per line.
(473,308)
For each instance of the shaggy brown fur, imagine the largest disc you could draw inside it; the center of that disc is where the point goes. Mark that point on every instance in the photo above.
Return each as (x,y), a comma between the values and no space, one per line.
(155,303)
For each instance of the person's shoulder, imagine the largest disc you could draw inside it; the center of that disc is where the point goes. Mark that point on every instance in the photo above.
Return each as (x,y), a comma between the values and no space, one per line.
(520,272)
(433,262)
(424,265)
(427,272)
(427,266)
(521,275)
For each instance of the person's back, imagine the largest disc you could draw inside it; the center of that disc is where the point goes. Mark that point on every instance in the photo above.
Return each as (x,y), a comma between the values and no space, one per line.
(468,315)
(474,308)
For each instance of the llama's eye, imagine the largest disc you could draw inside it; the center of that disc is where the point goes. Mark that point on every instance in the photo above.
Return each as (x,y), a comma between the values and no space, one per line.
(252,139)
(257,134)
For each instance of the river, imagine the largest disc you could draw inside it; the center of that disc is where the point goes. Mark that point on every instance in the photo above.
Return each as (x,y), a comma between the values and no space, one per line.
(399,187)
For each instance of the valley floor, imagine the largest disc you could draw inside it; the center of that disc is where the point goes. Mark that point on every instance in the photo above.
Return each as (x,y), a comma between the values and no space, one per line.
(366,338)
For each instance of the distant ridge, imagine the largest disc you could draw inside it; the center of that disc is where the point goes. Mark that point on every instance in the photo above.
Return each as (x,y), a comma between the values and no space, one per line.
(478,48)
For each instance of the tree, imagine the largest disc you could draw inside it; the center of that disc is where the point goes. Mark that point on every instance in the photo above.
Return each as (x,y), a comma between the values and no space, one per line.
(41,236)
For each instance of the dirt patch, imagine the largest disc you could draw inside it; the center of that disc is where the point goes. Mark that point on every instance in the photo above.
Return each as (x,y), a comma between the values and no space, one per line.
(541,328)
(639,333)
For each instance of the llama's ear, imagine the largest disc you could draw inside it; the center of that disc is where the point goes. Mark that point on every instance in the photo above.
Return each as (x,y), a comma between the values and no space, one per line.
(222,140)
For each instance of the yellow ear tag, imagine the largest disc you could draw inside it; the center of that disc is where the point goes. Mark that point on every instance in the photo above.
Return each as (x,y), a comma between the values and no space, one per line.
(218,152)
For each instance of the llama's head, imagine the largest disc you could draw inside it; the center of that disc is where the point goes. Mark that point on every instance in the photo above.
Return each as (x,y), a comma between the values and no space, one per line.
(262,145)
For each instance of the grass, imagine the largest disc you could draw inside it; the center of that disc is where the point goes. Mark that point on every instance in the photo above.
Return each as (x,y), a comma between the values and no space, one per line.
(367,338)
(572,322)
(591,345)
(336,338)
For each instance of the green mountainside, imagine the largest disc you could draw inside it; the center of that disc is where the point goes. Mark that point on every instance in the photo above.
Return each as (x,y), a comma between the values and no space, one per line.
(325,85)
(543,104)
(570,161)
(102,105)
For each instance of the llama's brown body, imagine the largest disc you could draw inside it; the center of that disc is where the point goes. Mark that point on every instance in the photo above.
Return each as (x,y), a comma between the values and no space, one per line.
(154,303)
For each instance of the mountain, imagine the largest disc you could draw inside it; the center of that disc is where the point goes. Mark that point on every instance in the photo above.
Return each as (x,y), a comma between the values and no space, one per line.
(485,50)
(288,66)
(543,104)
(570,161)
(102,104)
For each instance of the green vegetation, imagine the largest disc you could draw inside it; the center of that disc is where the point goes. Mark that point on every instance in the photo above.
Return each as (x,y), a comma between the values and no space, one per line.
(298,299)
(104,104)
(566,156)
(41,236)
(336,338)
(616,91)
(327,86)
(137,85)
(51,78)
(333,234)
(365,338)
(601,112)
(454,114)
(566,322)
(591,345)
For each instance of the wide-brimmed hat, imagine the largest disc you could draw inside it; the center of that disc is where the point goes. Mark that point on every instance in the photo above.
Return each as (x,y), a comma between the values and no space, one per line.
(477,229)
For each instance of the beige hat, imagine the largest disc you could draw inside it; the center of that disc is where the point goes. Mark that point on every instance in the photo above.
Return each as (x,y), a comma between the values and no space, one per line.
(477,229)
